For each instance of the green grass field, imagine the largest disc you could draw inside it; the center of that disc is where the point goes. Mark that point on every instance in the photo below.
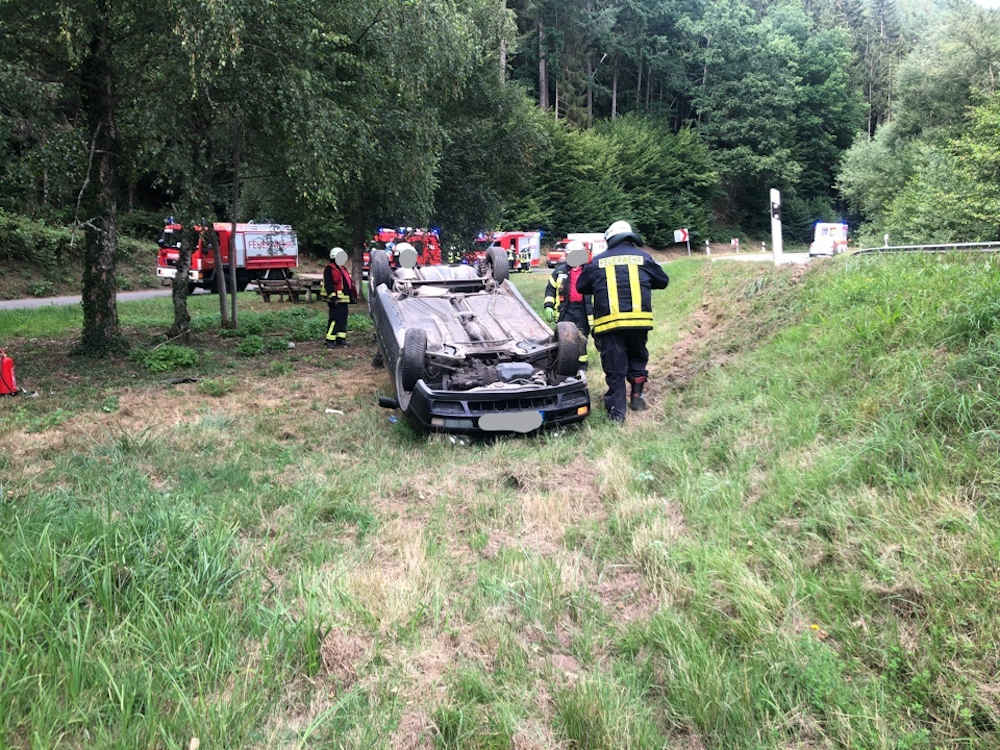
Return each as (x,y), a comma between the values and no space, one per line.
(796,547)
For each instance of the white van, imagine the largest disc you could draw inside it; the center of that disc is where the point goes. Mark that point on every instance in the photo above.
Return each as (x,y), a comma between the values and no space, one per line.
(828,239)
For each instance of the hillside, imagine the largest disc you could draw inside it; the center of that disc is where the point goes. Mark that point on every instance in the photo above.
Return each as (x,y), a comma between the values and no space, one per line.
(797,547)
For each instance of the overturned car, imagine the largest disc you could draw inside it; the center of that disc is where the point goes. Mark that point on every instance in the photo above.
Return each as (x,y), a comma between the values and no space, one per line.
(466,352)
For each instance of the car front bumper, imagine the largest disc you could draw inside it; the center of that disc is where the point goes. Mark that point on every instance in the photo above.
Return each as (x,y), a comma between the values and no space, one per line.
(499,411)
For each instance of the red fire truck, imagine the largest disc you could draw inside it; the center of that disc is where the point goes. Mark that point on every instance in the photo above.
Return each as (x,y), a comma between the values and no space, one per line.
(426,242)
(262,251)
(523,248)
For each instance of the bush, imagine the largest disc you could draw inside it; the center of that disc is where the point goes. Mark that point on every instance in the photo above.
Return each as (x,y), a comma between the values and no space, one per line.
(23,239)
(166,358)
(42,289)
(216,387)
(251,345)
(144,225)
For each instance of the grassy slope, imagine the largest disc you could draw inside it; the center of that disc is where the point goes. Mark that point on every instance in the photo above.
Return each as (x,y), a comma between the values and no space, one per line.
(797,547)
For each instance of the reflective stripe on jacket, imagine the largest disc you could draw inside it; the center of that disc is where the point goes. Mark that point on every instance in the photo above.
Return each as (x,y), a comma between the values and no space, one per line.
(621,280)
(557,291)
(336,283)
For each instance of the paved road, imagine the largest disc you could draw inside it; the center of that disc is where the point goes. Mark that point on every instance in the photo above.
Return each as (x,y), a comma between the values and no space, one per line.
(33,302)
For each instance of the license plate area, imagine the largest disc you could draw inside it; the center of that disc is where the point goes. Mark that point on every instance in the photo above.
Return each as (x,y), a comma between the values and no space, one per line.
(511,421)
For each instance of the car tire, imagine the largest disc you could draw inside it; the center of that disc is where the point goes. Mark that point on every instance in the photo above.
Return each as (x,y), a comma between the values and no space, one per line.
(411,358)
(379,270)
(498,264)
(568,353)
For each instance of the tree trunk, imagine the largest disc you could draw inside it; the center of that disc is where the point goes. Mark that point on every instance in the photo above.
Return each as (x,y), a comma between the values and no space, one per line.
(100,310)
(614,90)
(179,288)
(556,107)
(234,217)
(590,91)
(220,272)
(638,87)
(543,76)
(357,261)
(503,61)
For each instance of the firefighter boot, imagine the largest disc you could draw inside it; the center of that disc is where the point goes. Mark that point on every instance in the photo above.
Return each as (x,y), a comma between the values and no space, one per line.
(637,402)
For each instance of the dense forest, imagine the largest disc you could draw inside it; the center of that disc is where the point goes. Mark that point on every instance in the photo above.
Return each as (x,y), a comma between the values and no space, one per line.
(473,114)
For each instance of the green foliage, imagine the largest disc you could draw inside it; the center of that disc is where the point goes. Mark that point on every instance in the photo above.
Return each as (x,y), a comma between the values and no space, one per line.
(931,175)
(41,289)
(24,239)
(217,387)
(601,714)
(251,345)
(166,357)
(627,168)
(668,179)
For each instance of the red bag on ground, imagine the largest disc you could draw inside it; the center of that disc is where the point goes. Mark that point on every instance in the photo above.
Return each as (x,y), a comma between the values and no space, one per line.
(8,384)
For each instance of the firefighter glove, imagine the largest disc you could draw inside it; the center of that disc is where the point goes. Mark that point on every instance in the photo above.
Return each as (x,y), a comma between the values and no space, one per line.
(549,314)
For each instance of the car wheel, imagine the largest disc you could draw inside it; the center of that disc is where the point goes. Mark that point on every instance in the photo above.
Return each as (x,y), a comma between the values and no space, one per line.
(499,265)
(411,358)
(568,353)
(379,270)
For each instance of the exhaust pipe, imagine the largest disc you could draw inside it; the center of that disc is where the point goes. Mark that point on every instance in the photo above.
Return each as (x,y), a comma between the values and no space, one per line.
(388,402)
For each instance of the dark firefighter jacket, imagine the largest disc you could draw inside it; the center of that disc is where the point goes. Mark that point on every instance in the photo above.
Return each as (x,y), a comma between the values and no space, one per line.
(622,279)
(557,291)
(337,284)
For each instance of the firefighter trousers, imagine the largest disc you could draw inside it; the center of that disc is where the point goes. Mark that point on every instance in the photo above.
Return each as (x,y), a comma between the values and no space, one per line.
(576,313)
(336,330)
(624,357)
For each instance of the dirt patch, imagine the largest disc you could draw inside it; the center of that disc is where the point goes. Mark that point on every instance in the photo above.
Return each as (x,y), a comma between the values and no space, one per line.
(904,598)
(141,407)
(688,354)
(536,735)
(566,666)
(625,593)
(413,733)
(341,655)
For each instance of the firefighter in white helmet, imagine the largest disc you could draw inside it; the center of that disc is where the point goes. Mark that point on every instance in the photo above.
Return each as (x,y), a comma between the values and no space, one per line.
(563,299)
(622,280)
(338,290)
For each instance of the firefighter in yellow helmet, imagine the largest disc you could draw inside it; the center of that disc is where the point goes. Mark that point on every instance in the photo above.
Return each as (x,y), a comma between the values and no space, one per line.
(338,290)
(563,301)
(622,280)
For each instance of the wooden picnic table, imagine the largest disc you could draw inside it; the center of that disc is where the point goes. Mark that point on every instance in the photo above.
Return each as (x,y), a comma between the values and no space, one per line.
(304,285)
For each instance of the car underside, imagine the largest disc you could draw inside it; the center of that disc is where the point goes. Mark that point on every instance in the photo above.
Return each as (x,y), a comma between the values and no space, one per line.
(468,354)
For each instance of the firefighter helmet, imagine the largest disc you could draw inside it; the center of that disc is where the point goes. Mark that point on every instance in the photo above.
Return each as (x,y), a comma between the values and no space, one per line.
(619,232)
(339,256)
(407,254)
(576,253)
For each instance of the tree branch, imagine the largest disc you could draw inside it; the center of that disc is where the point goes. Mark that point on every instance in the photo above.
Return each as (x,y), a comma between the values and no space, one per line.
(83,188)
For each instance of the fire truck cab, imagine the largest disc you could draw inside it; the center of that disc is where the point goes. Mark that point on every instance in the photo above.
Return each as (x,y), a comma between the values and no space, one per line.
(593,241)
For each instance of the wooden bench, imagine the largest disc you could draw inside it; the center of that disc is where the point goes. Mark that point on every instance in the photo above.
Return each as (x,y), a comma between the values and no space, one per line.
(292,289)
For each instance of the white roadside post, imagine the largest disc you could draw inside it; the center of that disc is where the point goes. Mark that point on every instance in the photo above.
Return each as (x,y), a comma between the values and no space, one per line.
(708,248)
(776,244)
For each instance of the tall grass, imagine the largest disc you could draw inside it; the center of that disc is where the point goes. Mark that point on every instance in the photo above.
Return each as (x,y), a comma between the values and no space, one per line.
(797,548)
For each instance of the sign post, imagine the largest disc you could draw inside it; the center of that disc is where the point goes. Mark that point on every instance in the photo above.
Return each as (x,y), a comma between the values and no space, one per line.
(776,243)
(681,235)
